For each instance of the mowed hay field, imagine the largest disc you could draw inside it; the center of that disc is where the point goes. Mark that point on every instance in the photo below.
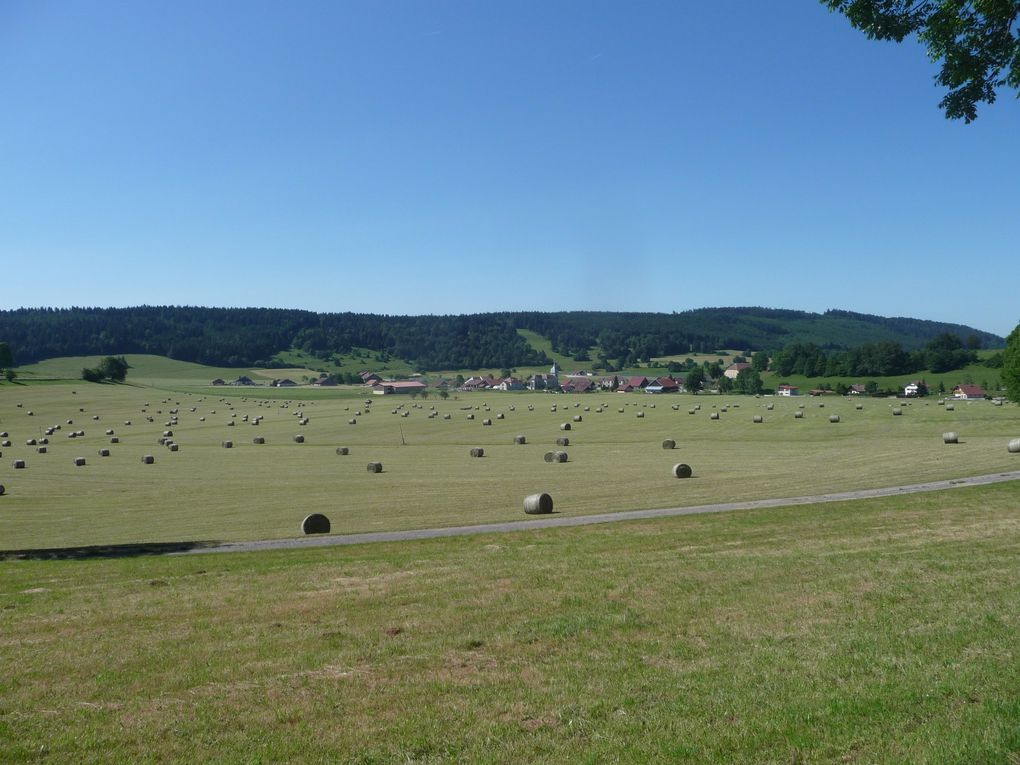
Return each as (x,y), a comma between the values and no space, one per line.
(204,492)
(875,631)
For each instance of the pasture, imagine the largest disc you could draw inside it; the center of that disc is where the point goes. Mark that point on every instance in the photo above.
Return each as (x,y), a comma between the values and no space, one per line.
(205,492)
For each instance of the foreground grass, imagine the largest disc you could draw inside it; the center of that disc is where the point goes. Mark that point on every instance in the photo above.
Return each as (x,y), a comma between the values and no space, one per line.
(878,631)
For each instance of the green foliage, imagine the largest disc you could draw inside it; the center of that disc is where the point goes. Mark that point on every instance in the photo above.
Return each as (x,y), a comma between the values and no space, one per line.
(6,356)
(975,42)
(695,380)
(10,375)
(1011,365)
(748,381)
(112,368)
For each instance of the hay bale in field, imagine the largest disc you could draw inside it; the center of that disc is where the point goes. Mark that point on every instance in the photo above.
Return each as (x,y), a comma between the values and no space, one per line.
(577,418)
(620,410)
(859,407)
(950,408)
(897,412)
(520,440)
(1013,447)
(115,440)
(4,434)
(691,411)
(499,416)
(564,426)
(682,470)
(3,489)
(640,415)
(173,447)
(713,416)
(486,421)
(559,456)
(19,464)
(5,443)
(470,416)
(40,450)
(70,422)
(80,433)
(549,456)
(299,439)
(447,416)
(44,441)
(669,443)
(259,440)
(79,461)
(316,523)
(148,459)
(477,451)
(996,402)
(30,442)
(799,414)
(564,441)
(724,410)
(109,431)
(343,451)
(374,467)
(833,418)
(770,407)
(538,504)
(757,418)
(227,444)
(950,437)
(104,452)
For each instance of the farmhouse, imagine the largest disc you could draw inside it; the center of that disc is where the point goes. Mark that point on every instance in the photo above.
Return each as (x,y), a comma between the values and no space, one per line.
(788,390)
(968,391)
(369,378)
(578,385)
(631,384)
(663,385)
(857,389)
(401,386)
(510,383)
(286,382)
(243,380)
(544,382)
(475,383)
(324,382)
(219,381)
(734,369)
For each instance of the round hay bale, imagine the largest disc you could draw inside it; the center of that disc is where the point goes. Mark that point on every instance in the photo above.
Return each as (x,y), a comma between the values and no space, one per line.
(148,459)
(620,410)
(770,407)
(758,418)
(538,504)
(950,407)
(691,411)
(19,464)
(565,426)
(724,410)
(563,441)
(30,442)
(3,489)
(316,523)
(173,447)
(859,407)
(374,467)
(821,406)
(897,412)
(477,451)
(833,418)
(549,456)
(343,451)
(486,421)
(40,450)
(470,416)
(228,444)
(447,416)
(713,416)
(1013,447)
(4,434)
(299,439)
(104,452)
(230,423)
(70,422)
(5,443)
(997,402)
(560,457)
(109,431)
(950,437)
(168,433)
(799,414)
(520,440)
(577,418)
(669,443)
(682,470)
(201,419)
(499,416)
(115,440)
(259,440)
(640,415)
(79,461)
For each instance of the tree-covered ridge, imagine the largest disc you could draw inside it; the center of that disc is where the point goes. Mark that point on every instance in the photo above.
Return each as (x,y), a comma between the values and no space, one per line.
(253,336)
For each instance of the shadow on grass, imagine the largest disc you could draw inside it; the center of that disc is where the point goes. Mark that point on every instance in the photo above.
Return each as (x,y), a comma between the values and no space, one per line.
(129,550)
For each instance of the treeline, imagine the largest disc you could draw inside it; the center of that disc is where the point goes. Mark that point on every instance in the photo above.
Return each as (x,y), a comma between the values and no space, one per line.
(236,337)
(942,354)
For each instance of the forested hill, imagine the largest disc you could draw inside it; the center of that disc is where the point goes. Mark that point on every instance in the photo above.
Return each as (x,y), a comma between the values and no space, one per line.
(253,336)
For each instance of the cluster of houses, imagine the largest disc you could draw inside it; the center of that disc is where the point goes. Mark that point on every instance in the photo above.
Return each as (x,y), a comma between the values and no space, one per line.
(582,382)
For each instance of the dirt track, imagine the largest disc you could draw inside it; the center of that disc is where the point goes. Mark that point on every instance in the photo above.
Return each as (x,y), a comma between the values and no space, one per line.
(551,521)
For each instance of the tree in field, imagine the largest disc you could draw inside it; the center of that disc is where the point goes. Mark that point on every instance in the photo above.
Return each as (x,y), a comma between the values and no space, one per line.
(695,380)
(113,368)
(1011,365)
(977,42)
(748,381)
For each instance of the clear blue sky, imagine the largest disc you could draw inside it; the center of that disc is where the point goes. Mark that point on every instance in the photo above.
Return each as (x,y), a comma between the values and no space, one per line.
(453,156)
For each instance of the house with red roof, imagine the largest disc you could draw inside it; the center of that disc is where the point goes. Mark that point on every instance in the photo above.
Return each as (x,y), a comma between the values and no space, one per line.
(968,391)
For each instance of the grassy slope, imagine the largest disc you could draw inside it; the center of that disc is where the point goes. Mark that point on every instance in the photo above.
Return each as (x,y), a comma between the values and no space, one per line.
(880,631)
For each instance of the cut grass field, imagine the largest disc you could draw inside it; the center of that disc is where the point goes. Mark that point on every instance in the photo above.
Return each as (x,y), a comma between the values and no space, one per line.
(877,631)
(204,492)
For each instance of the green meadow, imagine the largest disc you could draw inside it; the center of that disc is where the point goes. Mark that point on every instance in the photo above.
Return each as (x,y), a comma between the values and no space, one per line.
(868,631)
(205,492)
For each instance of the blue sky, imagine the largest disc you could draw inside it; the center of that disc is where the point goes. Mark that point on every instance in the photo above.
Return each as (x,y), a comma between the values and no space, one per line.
(458,157)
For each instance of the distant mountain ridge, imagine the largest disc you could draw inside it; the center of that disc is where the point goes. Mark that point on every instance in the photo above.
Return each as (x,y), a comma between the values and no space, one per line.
(253,336)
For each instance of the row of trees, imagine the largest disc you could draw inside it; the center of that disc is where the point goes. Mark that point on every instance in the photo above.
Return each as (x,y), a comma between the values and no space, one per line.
(942,354)
(110,369)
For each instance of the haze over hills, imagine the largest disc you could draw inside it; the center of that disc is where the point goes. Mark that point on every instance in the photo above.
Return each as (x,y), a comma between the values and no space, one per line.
(253,336)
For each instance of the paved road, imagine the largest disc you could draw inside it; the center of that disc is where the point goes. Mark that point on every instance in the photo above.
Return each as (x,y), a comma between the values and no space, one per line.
(553,521)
